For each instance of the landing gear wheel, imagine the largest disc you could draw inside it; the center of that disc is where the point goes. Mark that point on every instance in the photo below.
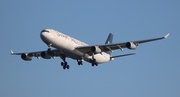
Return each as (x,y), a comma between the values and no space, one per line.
(80,63)
(67,66)
(62,64)
(64,67)
(93,62)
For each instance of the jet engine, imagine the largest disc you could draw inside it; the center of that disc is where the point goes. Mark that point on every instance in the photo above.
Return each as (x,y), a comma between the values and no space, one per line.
(26,57)
(96,49)
(131,45)
(45,55)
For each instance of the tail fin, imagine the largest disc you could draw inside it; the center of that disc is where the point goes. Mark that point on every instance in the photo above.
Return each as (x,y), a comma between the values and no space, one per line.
(109,41)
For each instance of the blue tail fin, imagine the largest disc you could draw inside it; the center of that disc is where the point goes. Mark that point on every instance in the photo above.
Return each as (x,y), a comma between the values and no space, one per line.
(109,40)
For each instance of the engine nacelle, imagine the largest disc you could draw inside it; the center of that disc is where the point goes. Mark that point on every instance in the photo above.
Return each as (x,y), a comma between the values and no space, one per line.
(131,45)
(96,49)
(26,57)
(45,55)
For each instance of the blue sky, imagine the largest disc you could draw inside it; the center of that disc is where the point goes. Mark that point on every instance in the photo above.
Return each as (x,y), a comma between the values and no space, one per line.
(153,72)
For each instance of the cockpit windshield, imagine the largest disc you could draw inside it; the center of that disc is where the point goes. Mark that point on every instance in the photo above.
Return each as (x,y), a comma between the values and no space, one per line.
(44,31)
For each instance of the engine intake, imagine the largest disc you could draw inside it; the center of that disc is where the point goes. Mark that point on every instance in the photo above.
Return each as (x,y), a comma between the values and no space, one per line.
(26,57)
(131,45)
(45,55)
(96,49)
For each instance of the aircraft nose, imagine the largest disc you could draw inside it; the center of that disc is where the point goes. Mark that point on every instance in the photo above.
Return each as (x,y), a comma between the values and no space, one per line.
(44,34)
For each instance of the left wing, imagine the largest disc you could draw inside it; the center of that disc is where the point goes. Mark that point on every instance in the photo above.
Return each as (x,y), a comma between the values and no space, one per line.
(115,46)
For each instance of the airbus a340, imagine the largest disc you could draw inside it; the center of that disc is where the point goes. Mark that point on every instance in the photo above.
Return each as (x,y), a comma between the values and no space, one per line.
(68,47)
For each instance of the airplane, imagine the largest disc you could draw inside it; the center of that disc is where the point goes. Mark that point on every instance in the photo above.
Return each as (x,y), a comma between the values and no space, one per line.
(65,46)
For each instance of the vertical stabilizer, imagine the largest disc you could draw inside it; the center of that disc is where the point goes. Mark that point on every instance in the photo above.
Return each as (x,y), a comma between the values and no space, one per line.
(109,39)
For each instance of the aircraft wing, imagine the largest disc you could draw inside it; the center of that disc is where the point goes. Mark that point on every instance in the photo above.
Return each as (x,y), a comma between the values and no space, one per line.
(54,52)
(115,46)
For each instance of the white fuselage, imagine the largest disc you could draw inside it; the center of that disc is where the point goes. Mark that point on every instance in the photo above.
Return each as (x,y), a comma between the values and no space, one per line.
(68,45)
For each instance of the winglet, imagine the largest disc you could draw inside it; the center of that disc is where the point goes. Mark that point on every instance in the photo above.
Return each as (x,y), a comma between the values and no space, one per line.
(166,36)
(12,52)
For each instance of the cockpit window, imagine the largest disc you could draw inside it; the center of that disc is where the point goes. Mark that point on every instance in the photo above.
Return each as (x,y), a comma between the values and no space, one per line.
(44,31)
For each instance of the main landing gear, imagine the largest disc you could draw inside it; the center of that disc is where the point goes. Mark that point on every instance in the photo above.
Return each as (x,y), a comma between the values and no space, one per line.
(64,64)
(93,62)
(80,62)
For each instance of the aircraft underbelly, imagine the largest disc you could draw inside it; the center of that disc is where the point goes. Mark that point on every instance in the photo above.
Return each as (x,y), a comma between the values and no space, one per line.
(73,54)
(77,55)
(68,48)
(102,58)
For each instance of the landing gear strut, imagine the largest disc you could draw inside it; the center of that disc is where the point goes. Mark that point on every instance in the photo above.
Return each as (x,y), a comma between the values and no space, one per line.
(93,60)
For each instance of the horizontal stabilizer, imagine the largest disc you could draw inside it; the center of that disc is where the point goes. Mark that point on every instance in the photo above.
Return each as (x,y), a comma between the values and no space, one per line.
(123,55)
(166,36)
(12,52)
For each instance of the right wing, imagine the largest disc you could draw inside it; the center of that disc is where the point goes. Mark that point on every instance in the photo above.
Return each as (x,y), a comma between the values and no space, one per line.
(27,56)
(115,46)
